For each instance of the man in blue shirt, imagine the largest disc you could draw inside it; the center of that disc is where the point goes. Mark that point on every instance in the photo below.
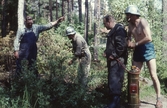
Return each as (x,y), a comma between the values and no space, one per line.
(25,42)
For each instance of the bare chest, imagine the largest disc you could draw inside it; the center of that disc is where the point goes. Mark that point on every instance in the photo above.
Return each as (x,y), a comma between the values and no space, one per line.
(137,31)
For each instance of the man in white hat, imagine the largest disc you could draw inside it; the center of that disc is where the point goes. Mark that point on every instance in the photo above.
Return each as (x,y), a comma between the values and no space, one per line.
(82,53)
(143,47)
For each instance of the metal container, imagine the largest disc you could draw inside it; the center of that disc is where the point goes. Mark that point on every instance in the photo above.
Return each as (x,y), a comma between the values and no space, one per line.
(133,89)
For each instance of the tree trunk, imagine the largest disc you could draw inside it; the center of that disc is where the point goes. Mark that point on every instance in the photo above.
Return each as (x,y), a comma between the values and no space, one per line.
(96,25)
(63,6)
(164,32)
(90,17)
(72,4)
(39,7)
(164,9)
(69,10)
(80,10)
(3,23)
(86,21)
(50,10)
(57,8)
(20,13)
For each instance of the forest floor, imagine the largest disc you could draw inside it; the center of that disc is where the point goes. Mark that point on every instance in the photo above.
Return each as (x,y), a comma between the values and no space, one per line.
(147,101)
(150,101)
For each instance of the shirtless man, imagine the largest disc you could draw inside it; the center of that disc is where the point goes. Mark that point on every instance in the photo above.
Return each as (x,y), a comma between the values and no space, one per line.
(143,47)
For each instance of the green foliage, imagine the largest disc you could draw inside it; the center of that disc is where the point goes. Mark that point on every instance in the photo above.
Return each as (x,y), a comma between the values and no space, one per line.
(58,85)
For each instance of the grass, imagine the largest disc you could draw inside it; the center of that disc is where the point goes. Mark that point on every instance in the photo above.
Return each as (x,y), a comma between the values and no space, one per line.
(146,91)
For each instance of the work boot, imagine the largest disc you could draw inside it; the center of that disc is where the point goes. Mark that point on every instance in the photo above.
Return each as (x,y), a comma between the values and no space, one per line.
(114,103)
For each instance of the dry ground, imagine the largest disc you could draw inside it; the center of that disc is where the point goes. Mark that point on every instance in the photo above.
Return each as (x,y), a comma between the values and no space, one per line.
(149,102)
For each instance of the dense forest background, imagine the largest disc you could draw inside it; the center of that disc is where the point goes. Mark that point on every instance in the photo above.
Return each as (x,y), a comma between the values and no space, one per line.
(57,85)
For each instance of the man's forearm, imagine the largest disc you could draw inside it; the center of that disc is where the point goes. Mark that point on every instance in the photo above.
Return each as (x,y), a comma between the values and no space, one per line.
(16,44)
(57,21)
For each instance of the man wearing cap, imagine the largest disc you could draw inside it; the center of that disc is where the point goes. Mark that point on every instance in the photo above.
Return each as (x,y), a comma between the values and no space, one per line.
(25,42)
(82,53)
(143,46)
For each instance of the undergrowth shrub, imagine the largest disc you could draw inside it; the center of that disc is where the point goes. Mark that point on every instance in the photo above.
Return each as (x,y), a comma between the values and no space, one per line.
(57,85)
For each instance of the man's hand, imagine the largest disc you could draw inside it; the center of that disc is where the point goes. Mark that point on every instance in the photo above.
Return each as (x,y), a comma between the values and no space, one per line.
(16,54)
(104,54)
(131,44)
(58,21)
(70,62)
(61,19)
(111,57)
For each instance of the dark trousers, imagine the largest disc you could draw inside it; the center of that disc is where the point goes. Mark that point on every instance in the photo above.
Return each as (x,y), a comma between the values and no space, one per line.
(115,78)
(27,51)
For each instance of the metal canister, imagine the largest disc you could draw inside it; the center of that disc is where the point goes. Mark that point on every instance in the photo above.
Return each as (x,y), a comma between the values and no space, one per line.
(133,88)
